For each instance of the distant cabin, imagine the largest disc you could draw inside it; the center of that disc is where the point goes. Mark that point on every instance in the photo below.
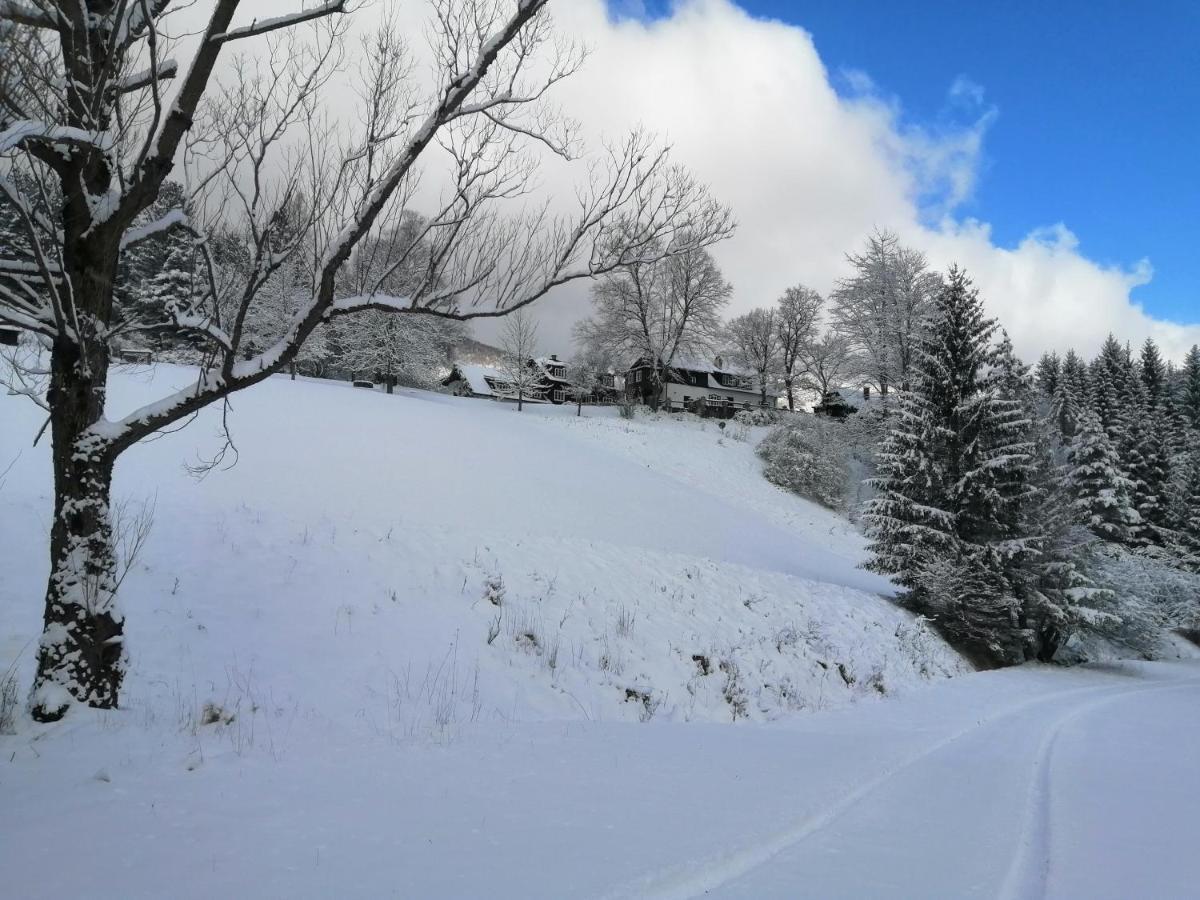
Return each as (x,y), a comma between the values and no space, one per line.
(713,388)
(550,381)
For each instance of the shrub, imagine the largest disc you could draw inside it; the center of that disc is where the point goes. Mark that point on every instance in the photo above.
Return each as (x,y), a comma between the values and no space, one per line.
(806,458)
(8,703)
(757,417)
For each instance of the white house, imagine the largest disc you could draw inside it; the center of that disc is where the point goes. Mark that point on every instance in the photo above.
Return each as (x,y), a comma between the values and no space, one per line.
(707,387)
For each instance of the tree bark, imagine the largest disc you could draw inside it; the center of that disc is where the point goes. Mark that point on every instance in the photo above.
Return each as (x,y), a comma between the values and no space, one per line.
(82,653)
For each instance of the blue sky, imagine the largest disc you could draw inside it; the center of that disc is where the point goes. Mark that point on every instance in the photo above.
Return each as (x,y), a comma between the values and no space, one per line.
(1098,121)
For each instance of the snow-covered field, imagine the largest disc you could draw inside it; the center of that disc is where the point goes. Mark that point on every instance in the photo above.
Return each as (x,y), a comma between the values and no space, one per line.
(404,646)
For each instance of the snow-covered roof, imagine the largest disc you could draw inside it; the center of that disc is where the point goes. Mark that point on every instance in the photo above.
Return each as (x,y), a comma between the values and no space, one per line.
(700,364)
(477,376)
(545,362)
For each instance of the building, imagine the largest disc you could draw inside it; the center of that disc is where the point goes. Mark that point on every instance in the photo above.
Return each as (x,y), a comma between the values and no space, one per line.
(708,388)
(550,381)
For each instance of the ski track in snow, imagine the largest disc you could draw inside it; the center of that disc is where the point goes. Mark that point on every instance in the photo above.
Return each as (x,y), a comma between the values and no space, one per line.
(1027,874)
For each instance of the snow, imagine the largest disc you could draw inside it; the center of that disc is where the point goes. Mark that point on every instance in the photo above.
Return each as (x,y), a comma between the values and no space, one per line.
(330,600)
(477,377)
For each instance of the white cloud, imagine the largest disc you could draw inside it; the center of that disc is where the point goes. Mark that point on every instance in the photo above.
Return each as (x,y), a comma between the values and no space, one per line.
(749,105)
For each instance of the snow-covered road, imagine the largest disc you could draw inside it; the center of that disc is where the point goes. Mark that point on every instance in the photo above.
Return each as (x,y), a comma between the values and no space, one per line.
(1019,784)
(1074,791)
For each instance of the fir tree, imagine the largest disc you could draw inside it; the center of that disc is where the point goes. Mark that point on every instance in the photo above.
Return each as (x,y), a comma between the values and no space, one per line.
(954,476)
(1066,406)
(1100,493)
(1190,388)
(1049,371)
(1154,372)
(1190,522)
(1110,375)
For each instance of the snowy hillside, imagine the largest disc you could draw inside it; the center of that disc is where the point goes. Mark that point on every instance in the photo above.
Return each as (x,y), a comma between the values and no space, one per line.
(403,646)
(441,560)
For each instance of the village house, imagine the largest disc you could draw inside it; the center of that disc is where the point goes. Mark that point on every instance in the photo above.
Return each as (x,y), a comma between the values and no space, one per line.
(713,388)
(550,384)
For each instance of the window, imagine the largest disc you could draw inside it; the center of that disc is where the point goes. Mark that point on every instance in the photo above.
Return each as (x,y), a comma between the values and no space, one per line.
(637,376)
(558,395)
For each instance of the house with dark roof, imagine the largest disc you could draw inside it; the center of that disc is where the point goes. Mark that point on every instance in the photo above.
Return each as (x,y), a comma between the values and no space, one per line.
(706,387)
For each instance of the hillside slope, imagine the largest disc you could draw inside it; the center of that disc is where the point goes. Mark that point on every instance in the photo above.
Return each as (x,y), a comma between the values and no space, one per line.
(383,655)
(355,538)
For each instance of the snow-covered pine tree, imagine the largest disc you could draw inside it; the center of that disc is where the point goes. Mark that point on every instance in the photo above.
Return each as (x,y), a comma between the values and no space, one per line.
(1190,524)
(1049,371)
(173,288)
(1190,388)
(1153,371)
(1109,376)
(1100,491)
(953,476)
(157,267)
(1142,451)
(1066,409)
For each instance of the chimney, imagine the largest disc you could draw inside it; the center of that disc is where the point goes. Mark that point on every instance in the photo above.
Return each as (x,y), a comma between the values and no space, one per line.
(553,357)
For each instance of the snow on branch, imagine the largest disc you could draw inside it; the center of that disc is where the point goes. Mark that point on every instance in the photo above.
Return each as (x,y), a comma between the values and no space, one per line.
(135,81)
(22,13)
(26,130)
(174,218)
(263,26)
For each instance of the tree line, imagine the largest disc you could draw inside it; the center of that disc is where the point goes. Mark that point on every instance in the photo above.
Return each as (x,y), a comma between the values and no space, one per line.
(1018,508)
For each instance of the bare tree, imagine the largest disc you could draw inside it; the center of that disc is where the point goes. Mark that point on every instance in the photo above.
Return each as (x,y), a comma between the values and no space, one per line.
(795,325)
(586,374)
(756,345)
(519,343)
(829,361)
(91,125)
(660,310)
(881,309)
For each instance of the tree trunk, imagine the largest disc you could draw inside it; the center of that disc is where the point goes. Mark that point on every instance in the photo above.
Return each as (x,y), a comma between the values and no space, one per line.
(82,654)
(579,407)
(292,369)
(763,387)
(790,396)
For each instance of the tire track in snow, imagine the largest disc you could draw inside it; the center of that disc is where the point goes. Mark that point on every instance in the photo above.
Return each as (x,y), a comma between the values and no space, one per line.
(1028,873)
(698,877)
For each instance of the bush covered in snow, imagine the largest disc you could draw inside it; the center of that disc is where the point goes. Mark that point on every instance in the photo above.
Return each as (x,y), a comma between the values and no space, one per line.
(758,417)
(808,457)
(1155,597)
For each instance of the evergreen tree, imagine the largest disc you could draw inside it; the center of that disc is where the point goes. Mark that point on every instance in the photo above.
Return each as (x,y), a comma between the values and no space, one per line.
(1141,436)
(1110,375)
(173,288)
(1154,373)
(1190,393)
(1049,371)
(1100,493)
(142,281)
(954,479)
(1075,372)
(1190,522)
(1066,406)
